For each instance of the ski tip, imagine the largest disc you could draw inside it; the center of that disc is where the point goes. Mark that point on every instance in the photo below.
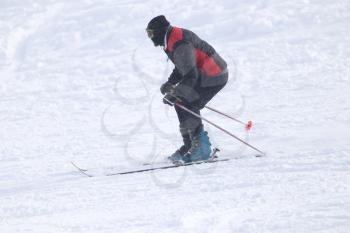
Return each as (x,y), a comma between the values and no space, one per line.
(249,125)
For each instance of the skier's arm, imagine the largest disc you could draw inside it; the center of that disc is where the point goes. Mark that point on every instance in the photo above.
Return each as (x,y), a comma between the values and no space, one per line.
(175,77)
(185,63)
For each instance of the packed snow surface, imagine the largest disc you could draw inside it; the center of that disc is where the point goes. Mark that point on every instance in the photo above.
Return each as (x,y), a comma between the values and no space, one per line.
(80,82)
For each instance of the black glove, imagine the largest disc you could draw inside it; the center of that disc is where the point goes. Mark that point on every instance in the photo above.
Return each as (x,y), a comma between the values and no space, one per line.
(175,77)
(169,99)
(167,88)
(185,93)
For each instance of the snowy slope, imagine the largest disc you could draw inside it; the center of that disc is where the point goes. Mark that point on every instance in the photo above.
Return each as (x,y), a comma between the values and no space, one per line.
(80,82)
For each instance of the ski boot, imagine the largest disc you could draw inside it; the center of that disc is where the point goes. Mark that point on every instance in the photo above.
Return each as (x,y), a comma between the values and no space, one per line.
(177,156)
(200,147)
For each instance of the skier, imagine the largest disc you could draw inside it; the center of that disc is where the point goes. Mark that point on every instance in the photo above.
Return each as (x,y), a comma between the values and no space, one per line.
(199,74)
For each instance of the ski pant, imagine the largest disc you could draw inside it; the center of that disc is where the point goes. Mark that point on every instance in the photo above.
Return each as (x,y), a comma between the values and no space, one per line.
(186,119)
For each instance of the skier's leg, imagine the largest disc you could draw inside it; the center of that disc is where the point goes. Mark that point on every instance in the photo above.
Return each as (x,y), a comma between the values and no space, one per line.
(196,141)
(200,144)
(188,123)
(179,153)
(186,119)
(206,94)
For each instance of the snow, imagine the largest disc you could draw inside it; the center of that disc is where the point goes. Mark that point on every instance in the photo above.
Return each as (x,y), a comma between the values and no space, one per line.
(80,82)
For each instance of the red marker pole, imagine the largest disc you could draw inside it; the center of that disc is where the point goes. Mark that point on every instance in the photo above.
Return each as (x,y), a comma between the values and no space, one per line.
(247,125)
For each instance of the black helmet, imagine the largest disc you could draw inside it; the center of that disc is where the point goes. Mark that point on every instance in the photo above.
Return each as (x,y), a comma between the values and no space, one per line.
(157,28)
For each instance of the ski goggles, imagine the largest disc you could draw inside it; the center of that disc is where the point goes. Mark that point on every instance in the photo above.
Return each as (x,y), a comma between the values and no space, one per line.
(150,33)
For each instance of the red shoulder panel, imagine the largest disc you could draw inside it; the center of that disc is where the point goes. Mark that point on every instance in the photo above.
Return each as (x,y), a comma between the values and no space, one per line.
(175,36)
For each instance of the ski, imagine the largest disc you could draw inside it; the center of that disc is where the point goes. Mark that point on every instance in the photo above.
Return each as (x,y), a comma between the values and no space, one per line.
(167,167)
(86,171)
(213,156)
(159,165)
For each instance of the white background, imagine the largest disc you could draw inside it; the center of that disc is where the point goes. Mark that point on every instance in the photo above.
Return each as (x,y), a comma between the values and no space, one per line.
(79,81)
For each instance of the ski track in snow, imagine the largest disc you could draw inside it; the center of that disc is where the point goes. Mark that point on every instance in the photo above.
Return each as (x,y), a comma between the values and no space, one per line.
(80,82)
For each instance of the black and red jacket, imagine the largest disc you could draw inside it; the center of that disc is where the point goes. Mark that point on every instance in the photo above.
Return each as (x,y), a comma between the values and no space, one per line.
(196,62)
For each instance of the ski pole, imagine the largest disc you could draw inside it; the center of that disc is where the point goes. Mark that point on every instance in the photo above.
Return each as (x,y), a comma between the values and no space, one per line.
(213,124)
(247,125)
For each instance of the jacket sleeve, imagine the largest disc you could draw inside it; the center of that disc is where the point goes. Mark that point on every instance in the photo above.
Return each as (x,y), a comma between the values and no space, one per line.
(175,77)
(185,63)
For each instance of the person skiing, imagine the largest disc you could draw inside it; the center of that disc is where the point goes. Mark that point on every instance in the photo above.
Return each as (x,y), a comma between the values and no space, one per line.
(199,74)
